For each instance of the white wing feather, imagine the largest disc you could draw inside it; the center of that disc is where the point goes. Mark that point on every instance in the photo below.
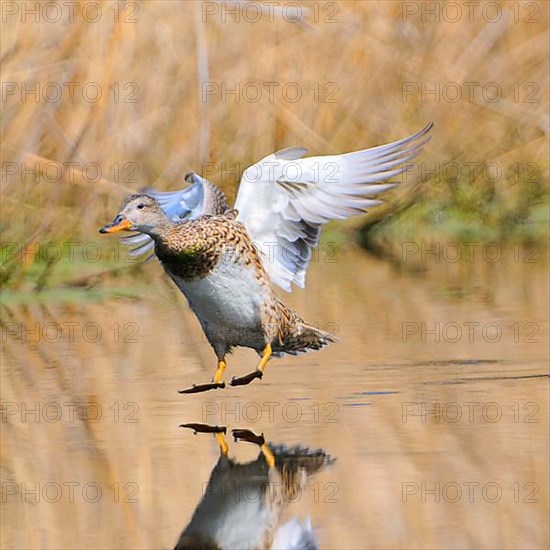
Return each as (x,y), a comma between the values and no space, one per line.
(283,200)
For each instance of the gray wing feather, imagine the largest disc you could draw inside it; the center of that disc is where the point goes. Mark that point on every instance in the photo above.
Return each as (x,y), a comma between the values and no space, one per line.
(198,199)
(283,200)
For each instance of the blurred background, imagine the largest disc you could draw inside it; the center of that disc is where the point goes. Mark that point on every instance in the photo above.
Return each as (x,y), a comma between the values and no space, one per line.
(188,86)
(100,99)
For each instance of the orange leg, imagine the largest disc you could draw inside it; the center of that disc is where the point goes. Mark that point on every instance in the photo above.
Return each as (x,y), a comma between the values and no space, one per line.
(258,373)
(251,437)
(222,365)
(224,447)
(216,381)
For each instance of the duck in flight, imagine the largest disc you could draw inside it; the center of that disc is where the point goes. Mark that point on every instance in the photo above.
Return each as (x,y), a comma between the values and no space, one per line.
(227,261)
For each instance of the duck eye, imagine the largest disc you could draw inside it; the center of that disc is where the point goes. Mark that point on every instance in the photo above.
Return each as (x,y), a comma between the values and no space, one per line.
(140,206)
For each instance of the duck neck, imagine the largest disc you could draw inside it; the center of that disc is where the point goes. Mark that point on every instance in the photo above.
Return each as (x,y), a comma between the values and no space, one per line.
(161,229)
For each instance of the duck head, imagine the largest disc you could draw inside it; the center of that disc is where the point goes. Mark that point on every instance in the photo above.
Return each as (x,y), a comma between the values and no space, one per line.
(137,213)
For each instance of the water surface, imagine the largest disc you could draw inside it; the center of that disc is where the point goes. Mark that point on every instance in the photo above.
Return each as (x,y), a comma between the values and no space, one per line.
(434,404)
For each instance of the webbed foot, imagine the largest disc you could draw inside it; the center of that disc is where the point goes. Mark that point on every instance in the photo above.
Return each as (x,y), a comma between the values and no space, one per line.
(203,387)
(249,436)
(204,428)
(246,379)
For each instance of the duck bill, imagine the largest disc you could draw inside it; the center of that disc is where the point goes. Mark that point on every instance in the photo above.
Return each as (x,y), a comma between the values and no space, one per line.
(117,225)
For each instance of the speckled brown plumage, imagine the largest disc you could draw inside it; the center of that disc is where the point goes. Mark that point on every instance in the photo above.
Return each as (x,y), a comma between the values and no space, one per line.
(215,201)
(194,248)
(214,263)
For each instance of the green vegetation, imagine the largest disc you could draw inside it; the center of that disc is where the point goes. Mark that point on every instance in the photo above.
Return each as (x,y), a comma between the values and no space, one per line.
(467,215)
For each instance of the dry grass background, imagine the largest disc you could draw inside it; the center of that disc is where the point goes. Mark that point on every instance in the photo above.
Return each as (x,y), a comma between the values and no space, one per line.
(368,52)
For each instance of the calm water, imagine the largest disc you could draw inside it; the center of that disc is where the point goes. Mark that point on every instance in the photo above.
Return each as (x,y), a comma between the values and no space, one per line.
(434,405)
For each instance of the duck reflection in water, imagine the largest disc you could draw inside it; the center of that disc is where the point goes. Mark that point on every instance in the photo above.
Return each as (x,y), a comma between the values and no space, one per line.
(243,504)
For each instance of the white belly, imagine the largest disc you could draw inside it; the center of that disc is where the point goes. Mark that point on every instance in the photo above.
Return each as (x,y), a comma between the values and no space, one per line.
(228,304)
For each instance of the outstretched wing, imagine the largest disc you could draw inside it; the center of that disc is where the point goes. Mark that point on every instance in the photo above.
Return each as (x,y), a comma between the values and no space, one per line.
(200,198)
(283,200)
